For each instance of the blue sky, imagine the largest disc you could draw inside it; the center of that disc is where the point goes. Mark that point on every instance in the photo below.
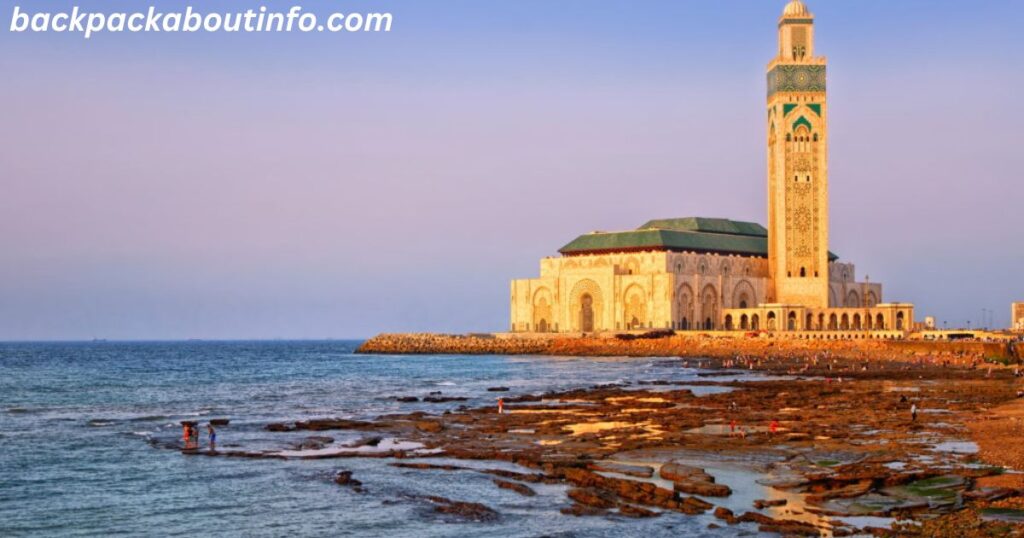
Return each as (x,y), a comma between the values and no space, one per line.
(337,185)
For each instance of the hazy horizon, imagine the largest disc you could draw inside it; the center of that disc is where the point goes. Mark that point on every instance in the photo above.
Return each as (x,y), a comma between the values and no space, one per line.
(169,187)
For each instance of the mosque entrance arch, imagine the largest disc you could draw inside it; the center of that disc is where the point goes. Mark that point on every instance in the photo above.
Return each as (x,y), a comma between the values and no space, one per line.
(587,313)
(585,307)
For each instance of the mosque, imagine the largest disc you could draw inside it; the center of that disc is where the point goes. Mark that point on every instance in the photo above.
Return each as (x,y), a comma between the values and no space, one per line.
(715,274)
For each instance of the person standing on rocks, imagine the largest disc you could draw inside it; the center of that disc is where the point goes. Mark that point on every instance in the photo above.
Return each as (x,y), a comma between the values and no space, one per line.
(913,412)
(501,406)
(213,436)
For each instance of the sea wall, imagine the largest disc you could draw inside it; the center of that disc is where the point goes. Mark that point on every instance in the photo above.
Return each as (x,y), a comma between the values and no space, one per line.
(680,345)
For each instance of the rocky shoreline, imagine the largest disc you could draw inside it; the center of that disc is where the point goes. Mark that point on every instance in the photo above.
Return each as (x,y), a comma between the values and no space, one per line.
(829,447)
(688,344)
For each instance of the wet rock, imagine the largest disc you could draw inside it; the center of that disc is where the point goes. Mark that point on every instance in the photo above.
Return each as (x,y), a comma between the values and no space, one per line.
(220,421)
(372,440)
(693,480)
(990,494)
(765,503)
(579,510)
(344,478)
(693,505)
(847,491)
(407,399)
(429,426)
(725,515)
(629,510)
(424,466)
(444,399)
(463,510)
(704,489)
(791,528)
(785,527)
(592,498)
(637,492)
(279,427)
(640,471)
(677,472)
(313,443)
(333,424)
(497,389)
(521,489)
(522,477)
(754,517)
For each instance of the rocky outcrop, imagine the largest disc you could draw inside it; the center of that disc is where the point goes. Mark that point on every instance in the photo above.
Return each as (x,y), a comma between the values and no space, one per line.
(640,471)
(463,510)
(344,478)
(667,343)
(322,425)
(693,480)
(521,489)
(601,490)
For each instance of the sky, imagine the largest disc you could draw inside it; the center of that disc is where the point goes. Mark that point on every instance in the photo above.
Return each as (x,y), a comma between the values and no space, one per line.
(170,186)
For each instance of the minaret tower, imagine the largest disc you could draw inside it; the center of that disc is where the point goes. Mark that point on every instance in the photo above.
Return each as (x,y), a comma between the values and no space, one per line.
(797,165)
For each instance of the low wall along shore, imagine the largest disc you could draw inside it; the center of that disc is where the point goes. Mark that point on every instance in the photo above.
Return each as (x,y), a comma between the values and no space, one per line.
(683,345)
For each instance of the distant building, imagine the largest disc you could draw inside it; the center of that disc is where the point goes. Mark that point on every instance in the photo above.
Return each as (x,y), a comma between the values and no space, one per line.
(719,274)
(1017,317)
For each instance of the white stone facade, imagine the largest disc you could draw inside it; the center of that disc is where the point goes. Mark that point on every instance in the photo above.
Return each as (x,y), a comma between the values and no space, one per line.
(673,290)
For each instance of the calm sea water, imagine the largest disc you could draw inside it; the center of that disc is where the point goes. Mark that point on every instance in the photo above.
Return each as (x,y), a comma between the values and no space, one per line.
(78,420)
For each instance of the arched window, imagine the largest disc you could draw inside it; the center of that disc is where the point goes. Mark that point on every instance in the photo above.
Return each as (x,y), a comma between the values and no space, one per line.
(803,271)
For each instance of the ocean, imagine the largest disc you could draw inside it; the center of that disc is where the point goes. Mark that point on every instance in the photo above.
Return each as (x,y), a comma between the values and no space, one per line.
(83,426)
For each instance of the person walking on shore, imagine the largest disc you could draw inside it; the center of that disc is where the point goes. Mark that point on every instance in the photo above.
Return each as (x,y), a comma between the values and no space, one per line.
(913,412)
(501,406)
(773,428)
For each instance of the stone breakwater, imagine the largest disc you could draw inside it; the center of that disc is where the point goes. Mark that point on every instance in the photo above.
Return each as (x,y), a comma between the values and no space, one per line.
(695,345)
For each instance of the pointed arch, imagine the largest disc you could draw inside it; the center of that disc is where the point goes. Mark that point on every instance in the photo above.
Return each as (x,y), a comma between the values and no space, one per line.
(743,295)
(585,306)
(684,306)
(709,307)
(543,308)
(634,314)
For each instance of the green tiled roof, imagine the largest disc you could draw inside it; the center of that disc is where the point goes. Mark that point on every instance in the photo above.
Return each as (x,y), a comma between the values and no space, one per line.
(694,234)
(703,224)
